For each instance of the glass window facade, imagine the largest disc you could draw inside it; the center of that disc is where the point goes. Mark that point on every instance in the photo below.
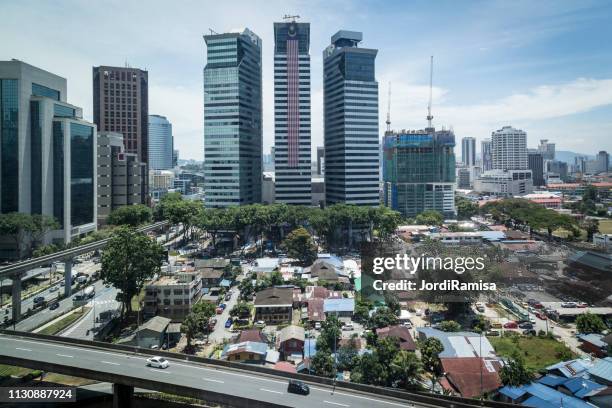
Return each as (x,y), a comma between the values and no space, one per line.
(9,142)
(58,171)
(81,174)
(35,157)
(41,90)
(61,111)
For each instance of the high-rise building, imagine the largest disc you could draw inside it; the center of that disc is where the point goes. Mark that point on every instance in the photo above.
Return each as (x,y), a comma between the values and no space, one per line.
(485,153)
(603,161)
(351,121)
(47,153)
(509,149)
(320,160)
(463,178)
(419,171)
(160,143)
(175,155)
(292,113)
(536,165)
(468,151)
(546,149)
(121,105)
(120,175)
(232,119)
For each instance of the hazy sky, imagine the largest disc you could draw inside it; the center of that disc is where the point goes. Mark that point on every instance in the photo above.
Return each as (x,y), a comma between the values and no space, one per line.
(542,66)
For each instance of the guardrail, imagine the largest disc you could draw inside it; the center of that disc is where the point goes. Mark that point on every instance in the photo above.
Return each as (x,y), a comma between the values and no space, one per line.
(424,398)
(66,253)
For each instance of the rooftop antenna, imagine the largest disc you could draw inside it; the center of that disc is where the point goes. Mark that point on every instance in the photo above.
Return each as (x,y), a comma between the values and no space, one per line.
(388,122)
(429,116)
(292,18)
(212,32)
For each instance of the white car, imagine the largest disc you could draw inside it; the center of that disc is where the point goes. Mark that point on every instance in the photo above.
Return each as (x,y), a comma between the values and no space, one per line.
(348,327)
(157,362)
(419,312)
(54,288)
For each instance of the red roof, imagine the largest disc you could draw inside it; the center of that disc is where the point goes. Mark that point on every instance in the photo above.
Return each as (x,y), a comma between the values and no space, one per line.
(319,292)
(251,335)
(284,366)
(401,332)
(464,374)
(316,312)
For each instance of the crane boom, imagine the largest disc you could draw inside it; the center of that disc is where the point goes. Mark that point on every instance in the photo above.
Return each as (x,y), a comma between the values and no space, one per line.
(388,122)
(429,115)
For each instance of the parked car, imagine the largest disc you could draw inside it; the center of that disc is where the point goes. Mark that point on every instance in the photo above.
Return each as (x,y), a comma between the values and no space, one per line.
(228,297)
(54,305)
(348,327)
(568,304)
(526,325)
(54,288)
(157,362)
(529,332)
(317,326)
(541,316)
(219,310)
(223,306)
(260,324)
(510,325)
(496,325)
(298,387)
(228,323)
(493,333)
(582,305)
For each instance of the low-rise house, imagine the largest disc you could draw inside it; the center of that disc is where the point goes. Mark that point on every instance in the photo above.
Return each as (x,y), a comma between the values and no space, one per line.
(459,344)
(572,368)
(265,265)
(471,377)
(402,333)
(316,310)
(274,305)
(344,307)
(254,335)
(172,296)
(601,371)
(594,343)
(323,270)
(540,395)
(285,366)
(291,341)
(245,352)
(151,334)
(212,277)
(212,270)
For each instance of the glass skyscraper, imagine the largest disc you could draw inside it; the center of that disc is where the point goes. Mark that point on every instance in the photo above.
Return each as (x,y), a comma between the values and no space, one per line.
(293,178)
(160,143)
(351,121)
(419,172)
(232,119)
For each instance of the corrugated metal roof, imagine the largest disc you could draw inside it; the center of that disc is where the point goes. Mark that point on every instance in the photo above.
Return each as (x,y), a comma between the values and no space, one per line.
(339,305)
(602,369)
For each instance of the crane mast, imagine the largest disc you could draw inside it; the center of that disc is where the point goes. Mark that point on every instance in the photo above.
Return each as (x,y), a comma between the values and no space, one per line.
(429,115)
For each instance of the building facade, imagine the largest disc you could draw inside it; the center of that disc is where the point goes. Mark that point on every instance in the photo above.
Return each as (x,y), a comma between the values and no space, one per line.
(535,162)
(232,119)
(350,121)
(509,149)
(160,143)
(47,152)
(121,105)
(504,183)
(173,296)
(120,175)
(468,151)
(546,149)
(485,153)
(292,138)
(419,172)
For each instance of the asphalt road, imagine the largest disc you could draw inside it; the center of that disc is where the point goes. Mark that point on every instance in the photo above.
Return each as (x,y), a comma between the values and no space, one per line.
(205,377)
(103,300)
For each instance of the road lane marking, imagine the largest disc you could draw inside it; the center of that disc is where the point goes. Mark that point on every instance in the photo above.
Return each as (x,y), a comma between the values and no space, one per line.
(336,403)
(110,362)
(160,371)
(212,380)
(359,396)
(22,349)
(64,355)
(267,390)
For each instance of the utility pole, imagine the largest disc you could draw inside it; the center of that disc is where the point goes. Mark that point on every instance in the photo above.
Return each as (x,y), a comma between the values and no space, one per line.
(388,122)
(429,116)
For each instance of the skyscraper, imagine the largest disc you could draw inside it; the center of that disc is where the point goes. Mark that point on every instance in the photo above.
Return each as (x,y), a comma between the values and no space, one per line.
(509,149)
(485,152)
(121,105)
(47,152)
(232,119)
(292,113)
(468,151)
(160,143)
(536,165)
(547,149)
(419,171)
(351,121)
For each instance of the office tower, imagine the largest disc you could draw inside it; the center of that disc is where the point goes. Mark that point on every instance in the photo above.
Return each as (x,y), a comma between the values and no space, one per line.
(160,143)
(232,119)
(603,161)
(504,183)
(47,152)
(119,175)
(320,160)
(463,178)
(419,171)
(468,151)
(292,113)
(546,149)
(509,149)
(121,105)
(351,121)
(556,169)
(485,151)
(175,155)
(535,162)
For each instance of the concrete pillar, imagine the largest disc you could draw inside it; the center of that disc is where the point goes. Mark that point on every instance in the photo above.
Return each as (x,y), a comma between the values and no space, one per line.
(68,277)
(16,297)
(122,396)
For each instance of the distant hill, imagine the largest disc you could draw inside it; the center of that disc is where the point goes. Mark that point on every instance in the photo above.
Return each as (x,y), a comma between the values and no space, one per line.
(568,157)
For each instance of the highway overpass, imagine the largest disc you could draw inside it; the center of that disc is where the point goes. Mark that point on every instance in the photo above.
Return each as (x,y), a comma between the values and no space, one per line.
(231,384)
(16,269)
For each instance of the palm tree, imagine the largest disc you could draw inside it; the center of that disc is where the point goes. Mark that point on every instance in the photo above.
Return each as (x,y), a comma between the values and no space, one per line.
(406,367)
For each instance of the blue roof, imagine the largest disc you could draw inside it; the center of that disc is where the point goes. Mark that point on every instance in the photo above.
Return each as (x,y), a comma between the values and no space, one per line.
(513,393)
(310,347)
(554,397)
(338,305)
(552,380)
(332,259)
(602,369)
(492,235)
(582,387)
(536,402)
(572,368)
(225,283)
(594,339)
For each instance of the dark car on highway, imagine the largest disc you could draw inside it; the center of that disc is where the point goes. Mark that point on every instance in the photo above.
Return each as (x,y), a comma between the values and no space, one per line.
(54,305)
(228,323)
(39,299)
(298,387)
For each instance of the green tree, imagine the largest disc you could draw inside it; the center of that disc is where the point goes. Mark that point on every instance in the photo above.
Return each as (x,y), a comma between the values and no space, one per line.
(330,334)
(192,325)
(348,355)
(449,326)
(241,310)
(480,324)
(429,217)
(205,310)
(465,208)
(589,323)
(322,364)
(128,260)
(246,289)
(382,317)
(41,224)
(185,212)
(514,373)
(430,351)
(132,215)
(17,226)
(300,245)
(406,368)
(591,226)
